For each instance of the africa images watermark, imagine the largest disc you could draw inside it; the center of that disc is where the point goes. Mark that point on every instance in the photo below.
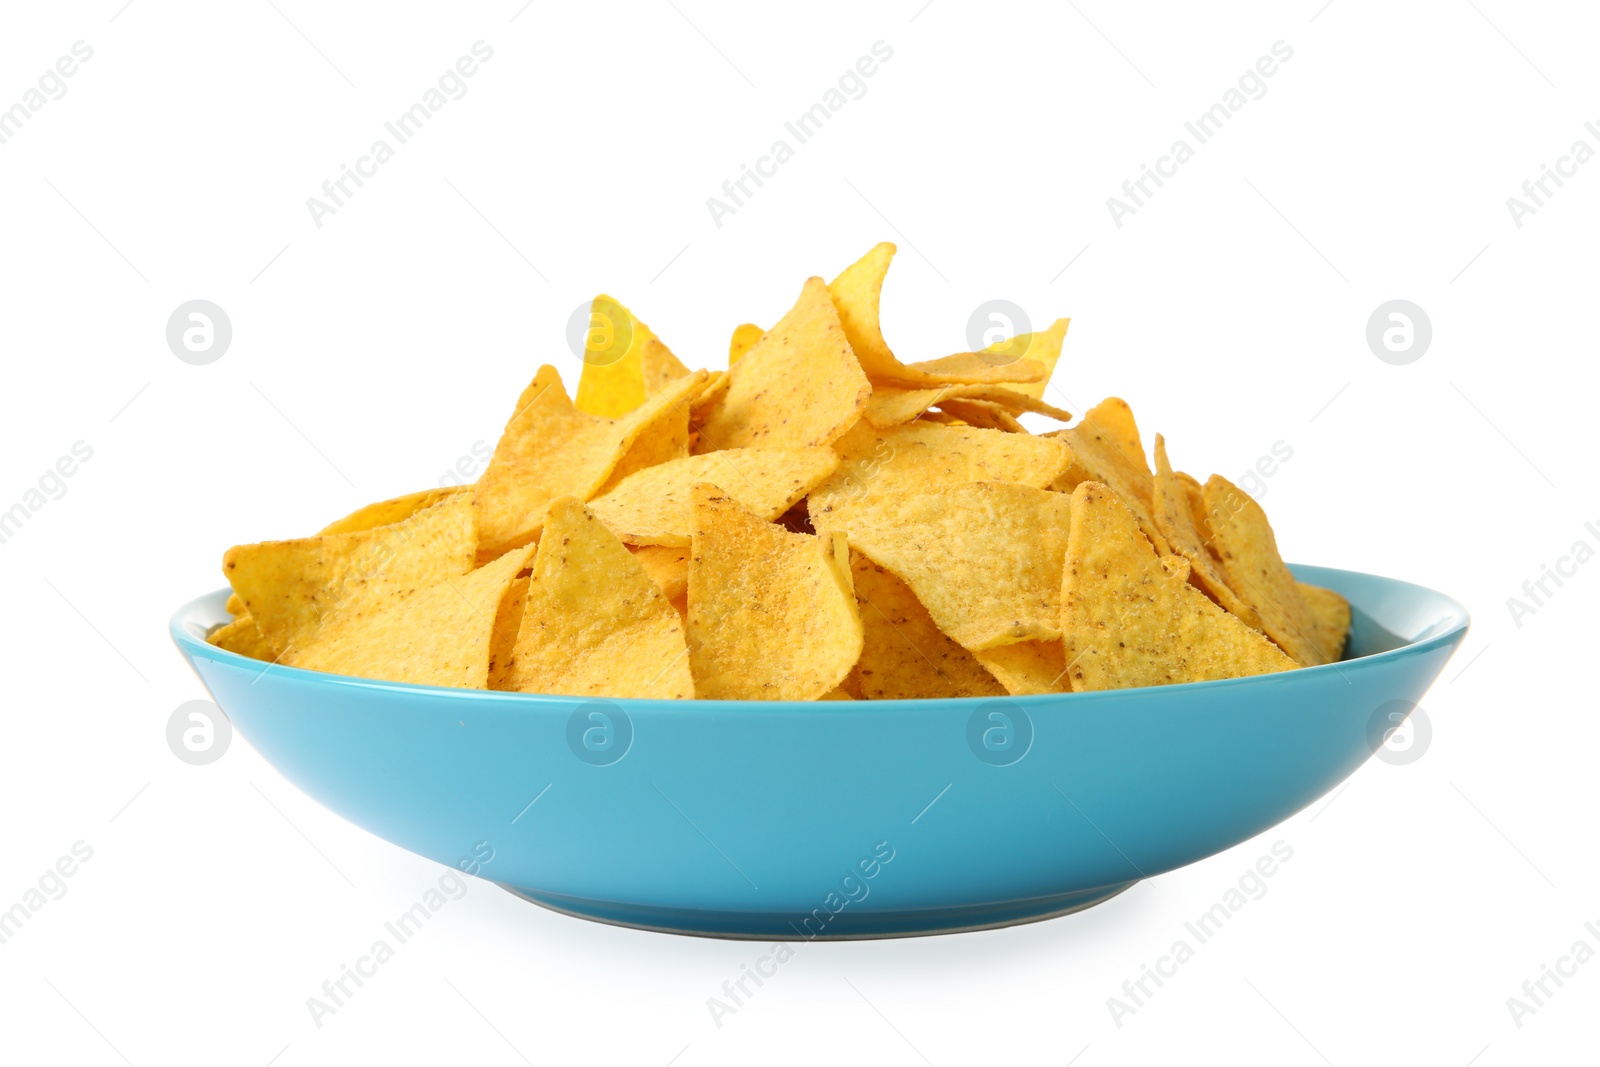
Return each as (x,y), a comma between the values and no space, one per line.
(804,127)
(51,85)
(52,485)
(1202,128)
(1537,190)
(337,992)
(1536,992)
(1537,591)
(851,888)
(405,126)
(1251,885)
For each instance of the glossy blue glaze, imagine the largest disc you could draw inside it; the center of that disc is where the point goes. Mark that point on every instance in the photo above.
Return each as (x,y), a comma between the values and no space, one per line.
(773,820)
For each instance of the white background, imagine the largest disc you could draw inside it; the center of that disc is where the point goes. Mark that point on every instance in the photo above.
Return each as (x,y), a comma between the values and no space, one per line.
(373,352)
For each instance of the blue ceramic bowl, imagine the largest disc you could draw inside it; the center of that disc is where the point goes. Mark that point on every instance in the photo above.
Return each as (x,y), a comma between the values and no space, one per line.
(835,819)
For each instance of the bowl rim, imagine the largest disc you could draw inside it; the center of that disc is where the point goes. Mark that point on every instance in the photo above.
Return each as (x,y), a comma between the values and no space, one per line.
(1454,617)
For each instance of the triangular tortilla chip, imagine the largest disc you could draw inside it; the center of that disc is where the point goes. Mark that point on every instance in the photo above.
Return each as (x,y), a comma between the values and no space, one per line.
(552,449)
(241,636)
(595,624)
(659,366)
(856,292)
(984,414)
(652,507)
(1248,552)
(668,567)
(799,386)
(1027,667)
(507,624)
(386,511)
(904,656)
(772,614)
(744,338)
(925,457)
(1331,613)
(1106,448)
(439,634)
(1041,346)
(892,405)
(235,606)
(615,382)
(1175,520)
(290,587)
(984,558)
(1132,620)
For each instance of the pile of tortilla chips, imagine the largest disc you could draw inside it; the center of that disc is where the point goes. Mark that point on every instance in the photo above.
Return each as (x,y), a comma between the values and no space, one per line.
(821,521)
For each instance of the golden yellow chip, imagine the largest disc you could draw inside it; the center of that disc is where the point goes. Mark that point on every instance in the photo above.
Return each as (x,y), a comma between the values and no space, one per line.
(893,405)
(234,606)
(983,414)
(1027,667)
(1330,613)
(904,656)
(668,567)
(615,378)
(595,624)
(552,449)
(856,292)
(507,624)
(439,634)
(797,387)
(1131,619)
(242,637)
(1248,552)
(653,506)
(1174,518)
(289,587)
(1041,346)
(386,511)
(925,457)
(658,366)
(772,614)
(1106,448)
(743,339)
(984,558)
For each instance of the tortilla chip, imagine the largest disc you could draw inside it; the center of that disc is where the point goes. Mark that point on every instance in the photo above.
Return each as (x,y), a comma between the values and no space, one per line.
(798,386)
(658,366)
(659,439)
(386,511)
(552,449)
(1027,667)
(1175,520)
(837,694)
(894,405)
(290,587)
(904,656)
(1041,346)
(1106,448)
(1132,620)
(507,624)
(984,558)
(743,339)
(1248,552)
(595,624)
(856,292)
(983,414)
(653,507)
(440,634)
(1331,614)
(1197,509)
(613,381)
(925,457)
(668,567)
(772,614)
(234,606)
(241,636)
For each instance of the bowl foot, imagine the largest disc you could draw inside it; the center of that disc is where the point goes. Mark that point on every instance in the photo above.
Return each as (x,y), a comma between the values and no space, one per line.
(851,924)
